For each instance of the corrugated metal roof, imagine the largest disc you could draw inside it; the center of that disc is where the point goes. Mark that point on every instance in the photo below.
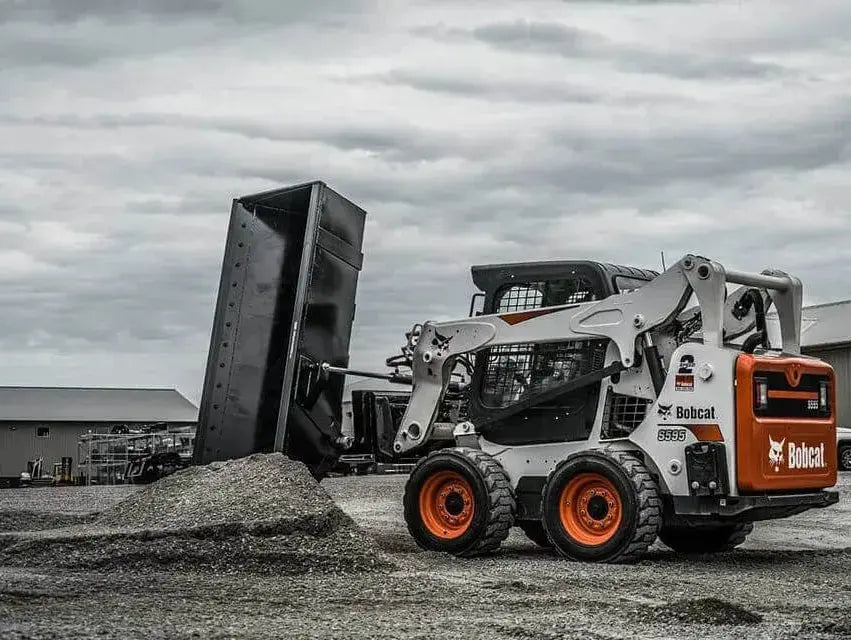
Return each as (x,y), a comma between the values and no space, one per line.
(826,324)
(79,404)
(821,325)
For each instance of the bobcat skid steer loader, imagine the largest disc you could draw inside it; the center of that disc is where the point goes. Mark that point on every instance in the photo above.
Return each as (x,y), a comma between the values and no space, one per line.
(599,424)
(601,412)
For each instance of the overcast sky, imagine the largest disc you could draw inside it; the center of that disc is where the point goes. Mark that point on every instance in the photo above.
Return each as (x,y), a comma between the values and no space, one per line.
(471,132)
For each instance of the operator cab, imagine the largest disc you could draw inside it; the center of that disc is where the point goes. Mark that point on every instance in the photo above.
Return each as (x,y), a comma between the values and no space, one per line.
(509,399)
(530,285)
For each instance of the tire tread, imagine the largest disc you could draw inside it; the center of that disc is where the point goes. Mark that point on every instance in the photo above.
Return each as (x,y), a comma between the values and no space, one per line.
(502,505)
(649,503)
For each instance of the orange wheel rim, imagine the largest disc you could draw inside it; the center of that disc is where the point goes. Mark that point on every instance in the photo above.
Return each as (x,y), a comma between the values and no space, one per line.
(446,505)
(591,509)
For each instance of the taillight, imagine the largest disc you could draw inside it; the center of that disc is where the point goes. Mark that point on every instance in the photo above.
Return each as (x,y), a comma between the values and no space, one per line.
(823,403)
(760,393)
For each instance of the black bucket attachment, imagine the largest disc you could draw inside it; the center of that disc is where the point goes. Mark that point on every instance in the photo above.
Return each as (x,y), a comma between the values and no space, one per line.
(286,304)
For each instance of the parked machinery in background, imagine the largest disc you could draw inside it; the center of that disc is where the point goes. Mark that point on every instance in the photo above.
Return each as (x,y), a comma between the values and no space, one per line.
(151,467)
(62,472)
(843,448)
(162,452)
(135,454)
(373,413)
(35,475)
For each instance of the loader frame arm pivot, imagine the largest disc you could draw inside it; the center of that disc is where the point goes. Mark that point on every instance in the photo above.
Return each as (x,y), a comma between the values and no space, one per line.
(620,318)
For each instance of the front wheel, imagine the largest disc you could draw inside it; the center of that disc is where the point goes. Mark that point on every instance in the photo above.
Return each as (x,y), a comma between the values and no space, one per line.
(705,539)
(602,507)
(459,501)
(845,457)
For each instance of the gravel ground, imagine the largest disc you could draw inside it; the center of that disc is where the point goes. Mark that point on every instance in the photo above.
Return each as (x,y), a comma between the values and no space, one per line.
(789,580)
(63,500)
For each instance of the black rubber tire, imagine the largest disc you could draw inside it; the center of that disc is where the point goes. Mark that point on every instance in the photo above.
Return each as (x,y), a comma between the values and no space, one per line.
(494,501)
(844,457)
(641,516)
(705,539)
(535,531)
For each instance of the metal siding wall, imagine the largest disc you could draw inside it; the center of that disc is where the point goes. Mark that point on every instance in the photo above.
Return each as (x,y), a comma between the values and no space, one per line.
(840,360)
(21,444)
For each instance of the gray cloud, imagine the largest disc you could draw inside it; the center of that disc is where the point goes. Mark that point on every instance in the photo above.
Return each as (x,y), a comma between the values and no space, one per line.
(395,141)
(571,42)
(251,11)
(595,133)
(73,10)
(76,33)
(514,91)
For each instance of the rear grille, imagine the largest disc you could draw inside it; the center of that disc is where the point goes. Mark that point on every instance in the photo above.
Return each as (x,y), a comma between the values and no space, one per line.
(791,407)
(623,414)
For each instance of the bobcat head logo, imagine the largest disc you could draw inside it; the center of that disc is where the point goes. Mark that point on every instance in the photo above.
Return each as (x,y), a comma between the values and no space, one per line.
(775,452)
(440,341)
(664,410)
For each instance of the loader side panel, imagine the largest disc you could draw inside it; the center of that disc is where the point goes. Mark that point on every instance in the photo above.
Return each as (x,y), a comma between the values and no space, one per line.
(286,299)
(790,444)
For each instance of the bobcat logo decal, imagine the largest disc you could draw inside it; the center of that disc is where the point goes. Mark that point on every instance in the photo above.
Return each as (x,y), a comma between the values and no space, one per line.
(440,341)
(665,411)
(775,452)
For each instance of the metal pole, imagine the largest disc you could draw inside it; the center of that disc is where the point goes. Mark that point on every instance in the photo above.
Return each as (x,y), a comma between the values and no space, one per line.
(390,377)
(758,280)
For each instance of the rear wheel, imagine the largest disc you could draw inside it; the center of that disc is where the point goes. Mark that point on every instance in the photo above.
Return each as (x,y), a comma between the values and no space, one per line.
(602,507)
(535,531)
(845,457)
(705,539)
(459,501)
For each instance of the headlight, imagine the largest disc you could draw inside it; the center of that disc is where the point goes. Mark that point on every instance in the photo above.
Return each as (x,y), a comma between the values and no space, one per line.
(761,393)
(823,403)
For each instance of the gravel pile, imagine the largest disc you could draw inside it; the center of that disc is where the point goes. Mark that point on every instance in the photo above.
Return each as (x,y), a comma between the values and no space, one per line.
(37,521)
(707,611)
(263,513)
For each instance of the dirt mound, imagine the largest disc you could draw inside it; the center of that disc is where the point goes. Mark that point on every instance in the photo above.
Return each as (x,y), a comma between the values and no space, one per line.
(707,611)
(263,512)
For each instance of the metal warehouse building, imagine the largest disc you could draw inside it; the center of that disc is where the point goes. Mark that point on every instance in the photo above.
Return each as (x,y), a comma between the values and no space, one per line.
(47,422)
(826,334)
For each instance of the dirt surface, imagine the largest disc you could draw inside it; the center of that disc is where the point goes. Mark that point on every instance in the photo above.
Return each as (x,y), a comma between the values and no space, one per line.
(789,580)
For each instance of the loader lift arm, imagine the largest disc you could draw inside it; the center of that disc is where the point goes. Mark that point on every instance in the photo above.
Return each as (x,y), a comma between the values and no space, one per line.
(621,318)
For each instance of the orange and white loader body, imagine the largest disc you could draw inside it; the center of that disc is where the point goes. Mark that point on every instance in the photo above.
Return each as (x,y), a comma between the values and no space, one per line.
(729,432)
